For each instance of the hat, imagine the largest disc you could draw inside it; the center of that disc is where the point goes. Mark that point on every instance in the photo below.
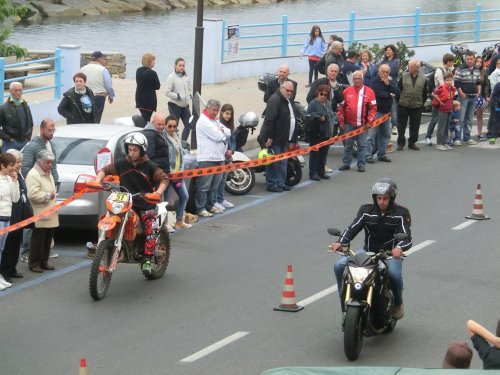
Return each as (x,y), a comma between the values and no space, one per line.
(458,355)
(97,55)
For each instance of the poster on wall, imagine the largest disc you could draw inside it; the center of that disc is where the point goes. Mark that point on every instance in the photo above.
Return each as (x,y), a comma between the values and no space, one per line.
(233,39)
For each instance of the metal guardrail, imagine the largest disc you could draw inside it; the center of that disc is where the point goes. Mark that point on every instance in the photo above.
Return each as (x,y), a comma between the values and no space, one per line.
(56,72)
(414,29)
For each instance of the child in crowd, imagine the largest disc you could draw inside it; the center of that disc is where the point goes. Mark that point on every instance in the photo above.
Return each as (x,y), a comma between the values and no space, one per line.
(9,193)
(486,343)
(314,49)
(458,355)
(454,122)
(443,99)
(226,119)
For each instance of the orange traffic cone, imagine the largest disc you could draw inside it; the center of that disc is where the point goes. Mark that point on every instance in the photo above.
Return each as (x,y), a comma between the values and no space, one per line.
(477,207)
(288,302)
(83,367)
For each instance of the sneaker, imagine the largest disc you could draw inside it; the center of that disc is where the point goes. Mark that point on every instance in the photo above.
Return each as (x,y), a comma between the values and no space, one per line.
(481,137)
(170,229)
(398,312)
(328,169)
(53,255)
(441,148)
(370,160)
(2,287)
(219,206)
(215,210)
(448,147)
(394,130)
(146,266)
(428,141)
(471,142)
(24,258)
(457,142)
(227,204)
(4,282)
(492,141)
(183,225)
(204,213)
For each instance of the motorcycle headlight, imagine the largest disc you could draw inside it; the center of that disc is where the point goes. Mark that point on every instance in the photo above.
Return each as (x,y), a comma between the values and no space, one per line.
(117,207)
(359,274)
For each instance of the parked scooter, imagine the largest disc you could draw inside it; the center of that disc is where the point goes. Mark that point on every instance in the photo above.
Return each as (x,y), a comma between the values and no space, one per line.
(121,239)
(368,296)
(241,181)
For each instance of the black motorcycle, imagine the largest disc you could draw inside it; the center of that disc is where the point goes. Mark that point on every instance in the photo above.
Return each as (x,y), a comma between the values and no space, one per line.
(367,296)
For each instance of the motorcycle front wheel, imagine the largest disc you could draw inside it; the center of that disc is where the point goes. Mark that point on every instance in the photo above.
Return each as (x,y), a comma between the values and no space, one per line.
(240,181)
(353,333)
(100,278)
(162,257)
(293,172)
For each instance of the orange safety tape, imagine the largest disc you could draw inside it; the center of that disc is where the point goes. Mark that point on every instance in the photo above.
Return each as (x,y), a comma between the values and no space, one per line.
(273,158)
(205,171)
(53,209)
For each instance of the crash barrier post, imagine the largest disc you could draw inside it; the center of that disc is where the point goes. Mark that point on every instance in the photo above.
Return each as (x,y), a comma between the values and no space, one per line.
(83,367)
(288,301)
(477,206)
(206,171)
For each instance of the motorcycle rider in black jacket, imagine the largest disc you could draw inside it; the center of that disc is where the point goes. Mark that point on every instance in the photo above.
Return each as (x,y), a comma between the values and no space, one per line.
(381,221)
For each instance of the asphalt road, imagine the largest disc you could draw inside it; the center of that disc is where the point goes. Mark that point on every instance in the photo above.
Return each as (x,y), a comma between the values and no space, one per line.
(226,275)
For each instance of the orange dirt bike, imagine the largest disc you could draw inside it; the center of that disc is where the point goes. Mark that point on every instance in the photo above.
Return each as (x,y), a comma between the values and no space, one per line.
(121,238)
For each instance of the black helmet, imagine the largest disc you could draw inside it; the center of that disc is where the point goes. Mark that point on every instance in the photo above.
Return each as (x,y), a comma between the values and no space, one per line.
(385,186)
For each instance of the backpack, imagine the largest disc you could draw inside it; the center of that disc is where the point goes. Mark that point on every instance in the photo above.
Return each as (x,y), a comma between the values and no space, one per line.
(431,83)
(321,64)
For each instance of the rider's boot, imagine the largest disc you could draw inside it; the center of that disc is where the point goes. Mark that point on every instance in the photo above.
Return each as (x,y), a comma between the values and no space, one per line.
(146,266)
(398,312)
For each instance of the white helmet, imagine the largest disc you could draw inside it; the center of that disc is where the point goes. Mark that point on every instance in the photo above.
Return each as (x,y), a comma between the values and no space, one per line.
(249,120)
(137,139)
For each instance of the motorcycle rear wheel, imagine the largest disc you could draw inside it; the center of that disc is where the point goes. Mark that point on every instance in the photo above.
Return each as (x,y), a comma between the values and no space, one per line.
(162,257)
(100,278)
(240,181)
(293,172)
(353,333)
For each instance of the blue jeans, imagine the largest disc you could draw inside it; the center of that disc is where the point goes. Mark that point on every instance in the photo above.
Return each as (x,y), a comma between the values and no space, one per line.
(394,113)
(384,135)
(467,106)
(206,187)
(180,188)
(182,113)
(349,143)
(276,172)
(395,271)
(18,145)
(100,100)
(219,194)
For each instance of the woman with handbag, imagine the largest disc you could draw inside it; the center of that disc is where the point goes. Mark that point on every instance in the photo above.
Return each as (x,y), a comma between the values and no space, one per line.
(21,210)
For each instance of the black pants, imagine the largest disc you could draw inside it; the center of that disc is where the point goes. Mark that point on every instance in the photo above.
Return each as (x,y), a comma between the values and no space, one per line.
(313,68)
(317,161)
(182,113)
(146,114)
(10,254)
(41,239)
(414,115)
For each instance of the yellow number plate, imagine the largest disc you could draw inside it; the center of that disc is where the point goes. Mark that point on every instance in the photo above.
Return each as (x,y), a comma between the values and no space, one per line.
(119,197)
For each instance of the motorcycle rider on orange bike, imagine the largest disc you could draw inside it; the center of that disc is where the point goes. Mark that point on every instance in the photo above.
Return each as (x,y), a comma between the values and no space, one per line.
(138,174)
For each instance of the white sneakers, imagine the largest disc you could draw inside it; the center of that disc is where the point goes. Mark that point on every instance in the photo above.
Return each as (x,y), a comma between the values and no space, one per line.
(4,284)
(205,213)
(218,206)
(457,142)
(227,204)
(428,141)
(170,229)
(216,210)
(471,142)
(441,148)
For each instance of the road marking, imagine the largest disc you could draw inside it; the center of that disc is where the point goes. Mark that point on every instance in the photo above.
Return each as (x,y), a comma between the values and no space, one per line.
(465,224)
(334,288)
(212,348)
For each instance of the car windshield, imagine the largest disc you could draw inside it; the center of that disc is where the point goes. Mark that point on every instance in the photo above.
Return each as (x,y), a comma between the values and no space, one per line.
(77,151)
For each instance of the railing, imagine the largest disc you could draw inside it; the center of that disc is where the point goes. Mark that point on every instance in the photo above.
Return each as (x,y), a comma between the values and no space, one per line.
(413,29)
(56,72)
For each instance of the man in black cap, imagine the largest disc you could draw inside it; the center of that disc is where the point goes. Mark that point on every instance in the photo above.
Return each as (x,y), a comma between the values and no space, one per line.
(99,81)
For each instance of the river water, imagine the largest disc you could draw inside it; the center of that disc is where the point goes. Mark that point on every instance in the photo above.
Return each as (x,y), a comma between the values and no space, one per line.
(171,34)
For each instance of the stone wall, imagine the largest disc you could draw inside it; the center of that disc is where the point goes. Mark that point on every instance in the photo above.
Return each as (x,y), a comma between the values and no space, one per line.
(115,61)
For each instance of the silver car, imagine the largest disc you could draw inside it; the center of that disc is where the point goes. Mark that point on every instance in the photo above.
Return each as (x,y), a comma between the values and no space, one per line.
(76,147)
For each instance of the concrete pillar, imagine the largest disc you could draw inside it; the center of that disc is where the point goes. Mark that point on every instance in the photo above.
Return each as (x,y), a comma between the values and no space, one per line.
(212,44)
(70,64)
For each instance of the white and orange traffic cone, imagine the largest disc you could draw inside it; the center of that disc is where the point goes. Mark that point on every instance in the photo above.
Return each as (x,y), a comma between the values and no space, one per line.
(477,207)
(83,367)
(288,302)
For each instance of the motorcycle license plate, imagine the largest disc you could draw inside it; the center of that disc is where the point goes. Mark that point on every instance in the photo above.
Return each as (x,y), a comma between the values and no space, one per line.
(119,197)
(301,158)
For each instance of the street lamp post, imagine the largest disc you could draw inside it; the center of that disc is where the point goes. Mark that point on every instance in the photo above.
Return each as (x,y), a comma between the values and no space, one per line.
(198,60)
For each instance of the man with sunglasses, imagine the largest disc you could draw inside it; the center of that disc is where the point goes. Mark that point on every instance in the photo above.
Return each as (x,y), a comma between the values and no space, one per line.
(277,131)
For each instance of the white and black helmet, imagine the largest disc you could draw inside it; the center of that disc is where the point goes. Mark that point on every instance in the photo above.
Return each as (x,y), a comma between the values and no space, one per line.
(137,139)
(385,186)
(249,120)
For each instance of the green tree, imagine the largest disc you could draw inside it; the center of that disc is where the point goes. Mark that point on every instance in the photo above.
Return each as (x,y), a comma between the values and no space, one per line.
(7,10)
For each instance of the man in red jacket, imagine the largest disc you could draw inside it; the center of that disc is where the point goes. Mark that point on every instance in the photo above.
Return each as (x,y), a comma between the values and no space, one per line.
(358,109)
